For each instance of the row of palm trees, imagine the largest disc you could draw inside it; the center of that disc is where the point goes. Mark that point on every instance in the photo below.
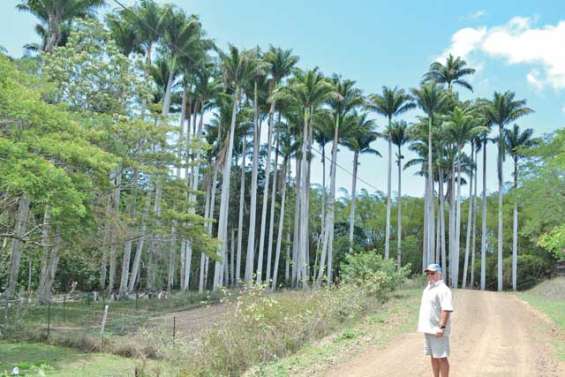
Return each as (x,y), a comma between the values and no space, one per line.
(248,90)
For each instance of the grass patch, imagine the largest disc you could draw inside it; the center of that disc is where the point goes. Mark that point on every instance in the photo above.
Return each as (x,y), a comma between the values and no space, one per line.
(377,328)
(36,359)
(549,298)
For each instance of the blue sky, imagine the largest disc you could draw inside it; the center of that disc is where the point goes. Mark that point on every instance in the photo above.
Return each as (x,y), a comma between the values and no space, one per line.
(515,45)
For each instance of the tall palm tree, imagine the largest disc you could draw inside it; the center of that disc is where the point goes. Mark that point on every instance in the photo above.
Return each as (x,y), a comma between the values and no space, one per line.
(237,69)
(309,90)
(503,109)
(346,99)
(359,142)
(398,135)
(278,63)
(55,13)
(516,141)
(431,99)
(461,127)
(255,86)
(451,73)
(391,103)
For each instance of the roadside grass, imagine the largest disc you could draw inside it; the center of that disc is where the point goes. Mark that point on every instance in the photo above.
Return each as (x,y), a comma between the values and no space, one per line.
(38,359)
(398,315)
(549,298)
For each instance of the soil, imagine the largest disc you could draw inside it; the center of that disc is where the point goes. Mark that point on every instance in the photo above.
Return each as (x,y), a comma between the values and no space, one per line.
(493,334)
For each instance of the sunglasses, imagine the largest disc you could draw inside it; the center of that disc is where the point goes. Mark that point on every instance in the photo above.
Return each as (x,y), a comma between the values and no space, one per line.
(430,272)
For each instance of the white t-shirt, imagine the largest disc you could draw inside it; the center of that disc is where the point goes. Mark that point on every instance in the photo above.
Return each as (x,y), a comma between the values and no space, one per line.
(435,298)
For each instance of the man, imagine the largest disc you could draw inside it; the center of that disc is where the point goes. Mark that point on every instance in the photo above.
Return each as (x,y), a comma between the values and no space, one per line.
(435,309)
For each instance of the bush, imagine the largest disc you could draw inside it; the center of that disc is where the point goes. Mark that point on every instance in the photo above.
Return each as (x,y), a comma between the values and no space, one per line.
(372,273)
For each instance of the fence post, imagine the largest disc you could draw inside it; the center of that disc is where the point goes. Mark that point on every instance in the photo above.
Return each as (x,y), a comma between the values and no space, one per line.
(136,299)
(174,328)
(64,308)
(48,318)
(103,324)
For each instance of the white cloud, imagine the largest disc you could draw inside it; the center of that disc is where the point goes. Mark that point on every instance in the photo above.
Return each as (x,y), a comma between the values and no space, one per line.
(563,109)
(518,42)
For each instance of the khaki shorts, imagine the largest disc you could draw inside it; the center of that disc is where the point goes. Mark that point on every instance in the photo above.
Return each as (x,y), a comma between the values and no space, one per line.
(436,347)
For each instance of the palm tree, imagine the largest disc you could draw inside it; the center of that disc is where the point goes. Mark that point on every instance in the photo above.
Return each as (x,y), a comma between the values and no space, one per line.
(516,141)
(55,13)
(451,73)
(346,100)
(398,135)
(359,142)
(237,69)
(432,100)
(392,102)
(461,127)
(309,90)
(502,110)
(278,63)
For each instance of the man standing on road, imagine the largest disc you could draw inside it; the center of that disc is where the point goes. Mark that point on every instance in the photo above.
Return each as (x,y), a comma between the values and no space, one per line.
(435,309)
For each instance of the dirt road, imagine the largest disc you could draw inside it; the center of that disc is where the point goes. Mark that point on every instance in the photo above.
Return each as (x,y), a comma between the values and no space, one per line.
(494,334)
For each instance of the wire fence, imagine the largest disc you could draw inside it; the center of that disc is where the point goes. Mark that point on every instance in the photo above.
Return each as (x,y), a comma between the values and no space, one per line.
(88,321)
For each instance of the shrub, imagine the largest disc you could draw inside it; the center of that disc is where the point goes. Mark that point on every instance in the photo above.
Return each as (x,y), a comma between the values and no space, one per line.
(369,271)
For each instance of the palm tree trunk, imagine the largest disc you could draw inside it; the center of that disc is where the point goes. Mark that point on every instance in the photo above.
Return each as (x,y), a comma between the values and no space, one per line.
(296,230)
(139,247)
(469,225)
(265,195)
(353,190)
(399,211)
(484,219)
(425,244)
(224,201)
(327,244)
(430,190)
(168,89)
(280,231)
(272,216)
(452,222)
(250,258)
(474,225)
(500,206)
(203,256)
(304,193)
(442,222)
(515,231)
(241,213)
(388,193)
(458,224)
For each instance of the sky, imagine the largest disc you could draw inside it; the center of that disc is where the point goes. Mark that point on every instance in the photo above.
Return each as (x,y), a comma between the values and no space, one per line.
(514,45)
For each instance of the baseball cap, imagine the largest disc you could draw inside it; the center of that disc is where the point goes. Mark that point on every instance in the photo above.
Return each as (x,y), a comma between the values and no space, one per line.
(433,267)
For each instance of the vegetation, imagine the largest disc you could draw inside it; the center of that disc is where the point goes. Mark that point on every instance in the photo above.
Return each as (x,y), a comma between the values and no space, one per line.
(132,162)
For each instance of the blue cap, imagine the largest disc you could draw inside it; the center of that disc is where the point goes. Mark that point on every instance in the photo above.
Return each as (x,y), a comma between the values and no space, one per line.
(433,267)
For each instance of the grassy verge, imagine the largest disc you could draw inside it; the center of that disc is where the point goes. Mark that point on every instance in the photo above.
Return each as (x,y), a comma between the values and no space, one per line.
(377,328)
(549,298)
(37,359)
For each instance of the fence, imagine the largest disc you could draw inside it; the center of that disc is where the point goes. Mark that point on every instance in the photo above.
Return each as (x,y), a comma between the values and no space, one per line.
(91,323)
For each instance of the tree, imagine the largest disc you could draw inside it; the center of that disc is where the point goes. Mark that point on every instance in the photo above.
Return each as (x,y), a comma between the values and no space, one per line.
(516,141)
(432,100)
(391,103)
(359,142)
(461,127)
(55,13)
(398,135)
(309,90)
(346,99)
(278,64)
(451,73)
(503,109)
(237,69)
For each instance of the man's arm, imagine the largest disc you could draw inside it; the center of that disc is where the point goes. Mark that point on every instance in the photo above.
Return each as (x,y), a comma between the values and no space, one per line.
(443,319)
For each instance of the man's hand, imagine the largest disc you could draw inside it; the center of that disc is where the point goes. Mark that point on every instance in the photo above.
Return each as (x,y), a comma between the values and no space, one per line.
(439,333)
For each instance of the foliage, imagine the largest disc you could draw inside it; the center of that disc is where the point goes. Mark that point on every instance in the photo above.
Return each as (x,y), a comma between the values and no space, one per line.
(373,273)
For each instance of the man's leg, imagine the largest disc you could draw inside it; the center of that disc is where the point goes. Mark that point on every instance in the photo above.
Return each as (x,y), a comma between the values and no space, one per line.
(435,366)
(443,367)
